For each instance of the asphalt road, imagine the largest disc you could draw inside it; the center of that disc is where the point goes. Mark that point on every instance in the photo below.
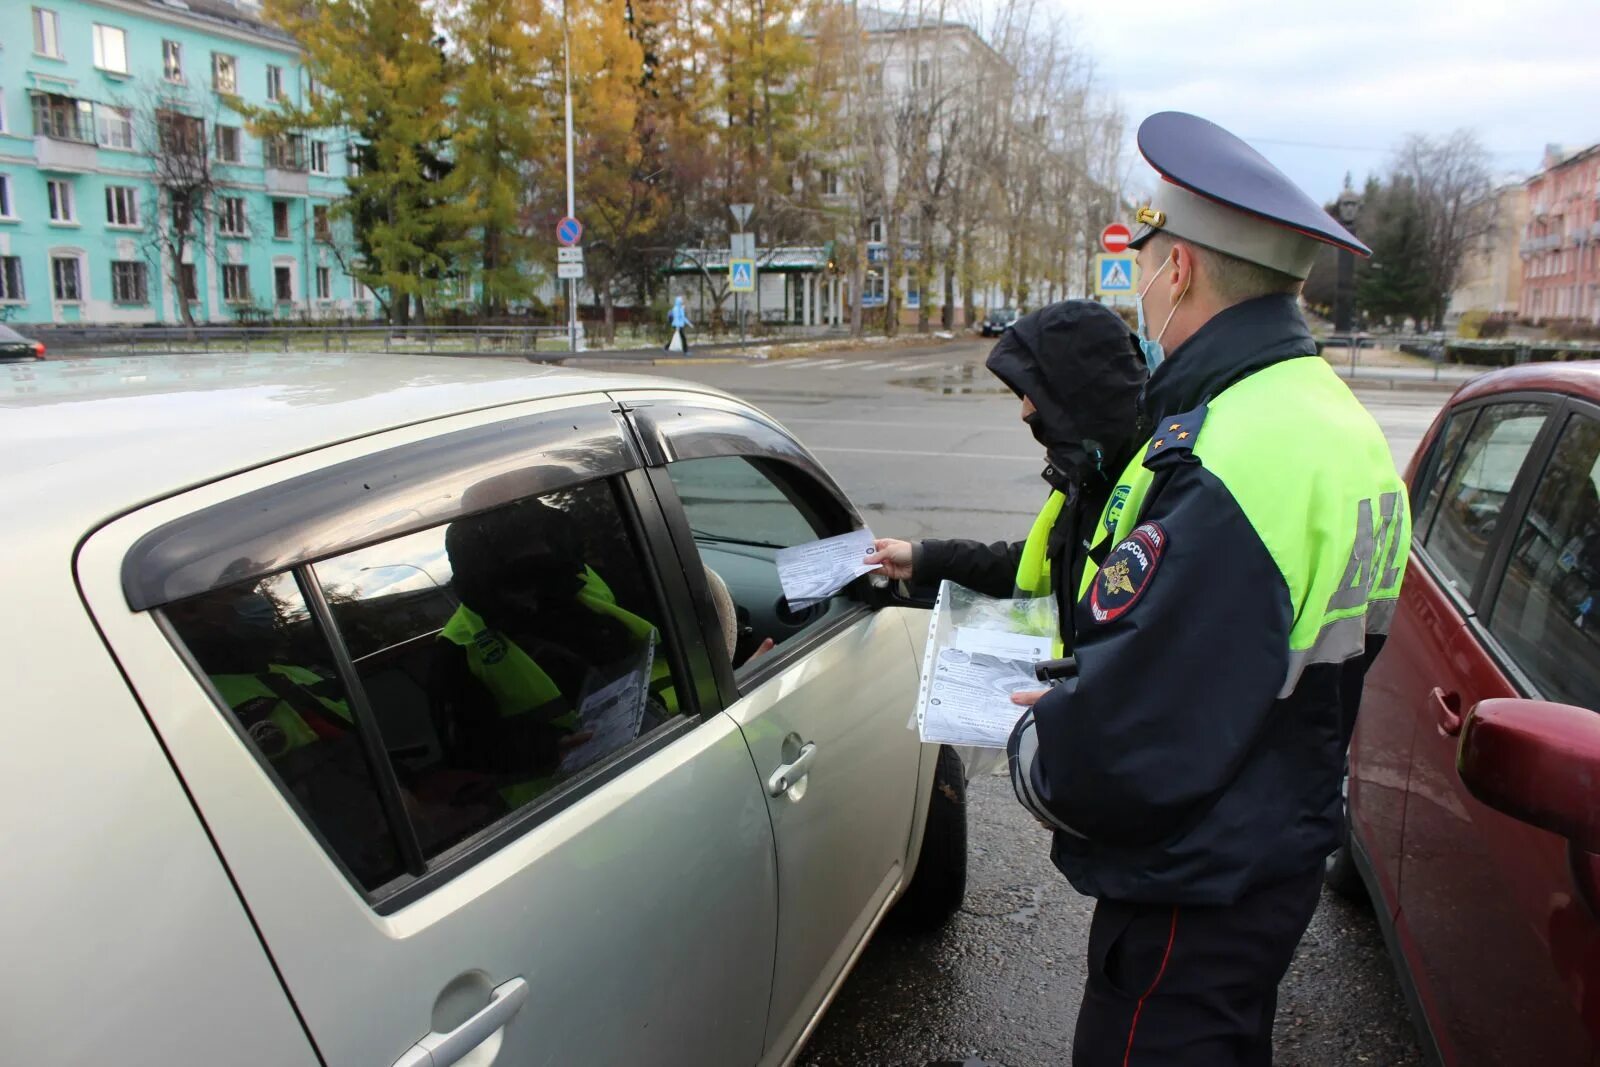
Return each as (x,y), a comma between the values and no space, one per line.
(927,444)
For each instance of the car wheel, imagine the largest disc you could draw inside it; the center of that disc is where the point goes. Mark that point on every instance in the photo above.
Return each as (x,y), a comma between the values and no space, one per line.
(940,884)
(1341,873)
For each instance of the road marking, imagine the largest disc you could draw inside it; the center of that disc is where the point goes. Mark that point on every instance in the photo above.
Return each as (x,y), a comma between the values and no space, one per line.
(919,452)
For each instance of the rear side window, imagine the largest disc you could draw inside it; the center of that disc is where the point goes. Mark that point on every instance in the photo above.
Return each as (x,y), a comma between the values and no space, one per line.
(1474,492)
(1547,614)
(274,674)
(495,658)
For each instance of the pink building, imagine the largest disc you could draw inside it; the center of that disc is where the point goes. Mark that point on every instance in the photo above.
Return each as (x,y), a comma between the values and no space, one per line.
(1561,244)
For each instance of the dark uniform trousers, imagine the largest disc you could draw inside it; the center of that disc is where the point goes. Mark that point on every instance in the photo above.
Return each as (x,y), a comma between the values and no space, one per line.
(1187,985)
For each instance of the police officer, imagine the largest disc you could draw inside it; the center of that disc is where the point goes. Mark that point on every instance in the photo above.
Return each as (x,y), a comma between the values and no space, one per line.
(1191,767)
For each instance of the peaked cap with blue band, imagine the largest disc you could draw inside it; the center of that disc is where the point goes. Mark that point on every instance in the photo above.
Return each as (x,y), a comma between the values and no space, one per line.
(1222,194)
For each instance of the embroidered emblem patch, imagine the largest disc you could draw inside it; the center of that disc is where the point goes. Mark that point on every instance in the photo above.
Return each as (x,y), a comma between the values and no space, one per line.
(1126,573)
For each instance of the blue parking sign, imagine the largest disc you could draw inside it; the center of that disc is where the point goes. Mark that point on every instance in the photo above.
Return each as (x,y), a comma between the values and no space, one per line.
(1113,273)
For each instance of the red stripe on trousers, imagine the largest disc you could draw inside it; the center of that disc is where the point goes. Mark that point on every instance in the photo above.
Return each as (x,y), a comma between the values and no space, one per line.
(1133,1027)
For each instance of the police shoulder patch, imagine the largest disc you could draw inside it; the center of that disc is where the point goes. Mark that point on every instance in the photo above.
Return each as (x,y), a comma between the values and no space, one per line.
(1126,572)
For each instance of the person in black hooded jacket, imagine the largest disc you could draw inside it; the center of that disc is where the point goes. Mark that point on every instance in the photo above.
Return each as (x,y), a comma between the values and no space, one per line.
(1076,367)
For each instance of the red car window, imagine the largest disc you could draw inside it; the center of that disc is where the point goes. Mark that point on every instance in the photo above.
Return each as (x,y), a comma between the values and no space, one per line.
(1547,613)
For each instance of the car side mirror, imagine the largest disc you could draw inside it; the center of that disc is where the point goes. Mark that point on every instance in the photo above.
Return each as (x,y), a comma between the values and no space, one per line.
(1536,762)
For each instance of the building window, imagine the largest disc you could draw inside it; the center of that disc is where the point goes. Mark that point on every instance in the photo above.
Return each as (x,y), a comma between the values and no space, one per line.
(110,49)
(314,90)
(61,206)
(232,216)
(64,277)
(11,278)
(181,135)
(324,283)
(875,76)
(830,183)
(224,72)
(189,282)
(274,83)
(283,284)
(122,205)
(172,61)
(46,33)
(352,157)
(875,230)
(228,144)
(115,126)
(286,151)
(128,282)
(924,73)
(319,223)
(63,118)
(235,283)
(280,219)
(319,157)
(5,197)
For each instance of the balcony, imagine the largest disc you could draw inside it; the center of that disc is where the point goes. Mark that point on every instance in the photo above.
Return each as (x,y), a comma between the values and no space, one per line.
(283,181)
(58,156)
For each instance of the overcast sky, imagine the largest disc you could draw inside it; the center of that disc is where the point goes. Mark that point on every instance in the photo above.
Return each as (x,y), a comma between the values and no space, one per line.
(1325,88)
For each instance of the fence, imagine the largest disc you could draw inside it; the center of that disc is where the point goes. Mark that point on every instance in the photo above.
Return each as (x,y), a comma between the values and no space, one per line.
(529,341)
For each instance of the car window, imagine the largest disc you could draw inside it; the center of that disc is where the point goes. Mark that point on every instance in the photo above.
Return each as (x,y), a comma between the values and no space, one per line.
(741,514)
(503,653)
(1547,613)
(256,644)
(1475,491)
(1429,488)
(500,655)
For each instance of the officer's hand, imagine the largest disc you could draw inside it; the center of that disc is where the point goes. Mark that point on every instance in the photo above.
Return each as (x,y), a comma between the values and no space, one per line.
(1029,698)
(761,650)
(892,557)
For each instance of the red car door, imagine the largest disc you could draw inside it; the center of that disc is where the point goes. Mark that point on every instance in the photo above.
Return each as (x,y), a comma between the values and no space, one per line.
(1500,945)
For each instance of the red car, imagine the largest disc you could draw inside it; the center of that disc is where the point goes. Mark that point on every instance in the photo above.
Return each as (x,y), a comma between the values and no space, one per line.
(1474,786)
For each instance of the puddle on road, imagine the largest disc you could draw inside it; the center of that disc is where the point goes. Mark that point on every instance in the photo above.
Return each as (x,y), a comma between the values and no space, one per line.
(969,380)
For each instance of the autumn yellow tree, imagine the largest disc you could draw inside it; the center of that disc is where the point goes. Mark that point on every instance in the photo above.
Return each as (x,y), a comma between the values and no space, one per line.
(501,50)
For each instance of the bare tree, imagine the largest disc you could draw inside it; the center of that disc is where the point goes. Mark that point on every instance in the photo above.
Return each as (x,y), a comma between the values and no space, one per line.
(1455,201)
(175,129)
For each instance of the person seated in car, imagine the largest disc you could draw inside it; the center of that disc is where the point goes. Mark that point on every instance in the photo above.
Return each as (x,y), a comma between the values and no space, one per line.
(534,624)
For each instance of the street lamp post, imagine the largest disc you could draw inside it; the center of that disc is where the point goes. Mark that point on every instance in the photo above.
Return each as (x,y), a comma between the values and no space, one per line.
(572,283)
(1349,207)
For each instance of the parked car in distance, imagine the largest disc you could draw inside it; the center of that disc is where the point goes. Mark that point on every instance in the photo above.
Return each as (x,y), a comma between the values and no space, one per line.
(998,321)
(1473,816)
(15,348)
(386,710)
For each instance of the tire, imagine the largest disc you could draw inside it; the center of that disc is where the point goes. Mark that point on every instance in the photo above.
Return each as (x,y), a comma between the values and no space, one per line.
(1341,873)
(940,884)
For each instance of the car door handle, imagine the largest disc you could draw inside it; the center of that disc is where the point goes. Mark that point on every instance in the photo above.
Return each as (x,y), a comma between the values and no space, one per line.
(440,1050)
(1446,711)
(789,775)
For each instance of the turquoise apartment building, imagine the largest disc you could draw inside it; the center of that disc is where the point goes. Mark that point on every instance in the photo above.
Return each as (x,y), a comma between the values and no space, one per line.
(82,84)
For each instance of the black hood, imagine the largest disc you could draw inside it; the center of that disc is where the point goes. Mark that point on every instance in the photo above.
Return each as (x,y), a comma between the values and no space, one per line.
(1080,365)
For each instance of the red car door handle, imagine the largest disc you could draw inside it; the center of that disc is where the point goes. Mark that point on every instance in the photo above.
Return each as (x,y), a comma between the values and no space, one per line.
(1447,711)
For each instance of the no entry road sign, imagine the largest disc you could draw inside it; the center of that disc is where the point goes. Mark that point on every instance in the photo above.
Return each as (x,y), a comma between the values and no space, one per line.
(1115,238)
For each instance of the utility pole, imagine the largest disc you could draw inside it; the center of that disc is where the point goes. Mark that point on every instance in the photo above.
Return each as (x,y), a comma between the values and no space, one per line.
(572,283)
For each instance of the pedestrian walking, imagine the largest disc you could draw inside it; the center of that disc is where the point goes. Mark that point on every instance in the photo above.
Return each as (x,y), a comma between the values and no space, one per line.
(1243,575)
(678,319)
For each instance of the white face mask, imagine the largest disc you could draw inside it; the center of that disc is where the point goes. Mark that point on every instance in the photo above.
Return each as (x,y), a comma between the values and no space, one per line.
(1154,354)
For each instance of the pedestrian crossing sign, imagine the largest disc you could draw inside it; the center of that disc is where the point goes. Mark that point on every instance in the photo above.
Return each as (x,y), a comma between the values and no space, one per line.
(742,275)
(1113,273)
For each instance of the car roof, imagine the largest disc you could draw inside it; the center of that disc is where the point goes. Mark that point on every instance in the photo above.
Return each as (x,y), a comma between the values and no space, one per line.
(86,439)
(8,334)
(1579,378)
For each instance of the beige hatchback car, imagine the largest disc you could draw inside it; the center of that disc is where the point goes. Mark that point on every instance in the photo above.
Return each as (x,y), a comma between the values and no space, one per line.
(371,710)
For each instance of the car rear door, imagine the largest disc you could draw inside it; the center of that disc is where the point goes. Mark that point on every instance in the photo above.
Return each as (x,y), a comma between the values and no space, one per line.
(826,712)
(303,638)
(1500,947)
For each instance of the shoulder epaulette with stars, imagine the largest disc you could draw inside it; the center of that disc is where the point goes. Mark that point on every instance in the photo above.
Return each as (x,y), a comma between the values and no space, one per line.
(1176,433)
